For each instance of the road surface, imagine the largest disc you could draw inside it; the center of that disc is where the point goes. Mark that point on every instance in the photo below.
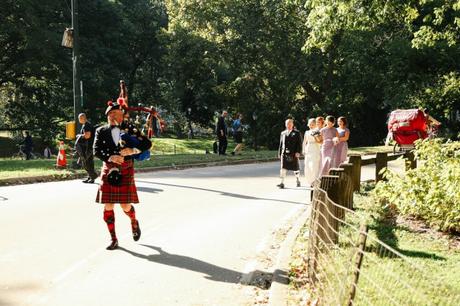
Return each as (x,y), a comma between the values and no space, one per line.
(203,233)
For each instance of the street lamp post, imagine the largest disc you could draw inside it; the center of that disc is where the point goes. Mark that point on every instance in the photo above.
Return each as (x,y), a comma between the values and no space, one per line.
(254,117)
(190,128)
(77,102)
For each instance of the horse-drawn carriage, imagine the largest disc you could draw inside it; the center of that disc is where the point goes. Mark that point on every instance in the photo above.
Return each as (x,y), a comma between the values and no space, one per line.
(405,126)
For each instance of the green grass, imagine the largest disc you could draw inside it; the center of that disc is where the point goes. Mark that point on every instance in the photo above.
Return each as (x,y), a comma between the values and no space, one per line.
(165,152)
(370,150)
(13,168)
(423,275)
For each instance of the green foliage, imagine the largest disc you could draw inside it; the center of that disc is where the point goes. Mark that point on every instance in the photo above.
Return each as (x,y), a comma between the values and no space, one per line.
(275,59)
(430,191)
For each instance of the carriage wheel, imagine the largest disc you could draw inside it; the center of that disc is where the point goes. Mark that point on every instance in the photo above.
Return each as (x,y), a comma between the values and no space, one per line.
(396,148)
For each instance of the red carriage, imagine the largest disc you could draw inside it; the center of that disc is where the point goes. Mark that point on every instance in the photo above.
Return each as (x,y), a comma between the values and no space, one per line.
(405,126)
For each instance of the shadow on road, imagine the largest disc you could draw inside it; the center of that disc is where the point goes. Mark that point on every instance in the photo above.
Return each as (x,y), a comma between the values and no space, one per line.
(224,193)
(259,279)
(148,190)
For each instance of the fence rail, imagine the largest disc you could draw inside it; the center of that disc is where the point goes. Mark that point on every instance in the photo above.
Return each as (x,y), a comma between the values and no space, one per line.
(348,264)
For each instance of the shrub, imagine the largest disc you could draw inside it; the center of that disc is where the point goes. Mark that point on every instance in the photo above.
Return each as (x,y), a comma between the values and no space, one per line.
(432,190)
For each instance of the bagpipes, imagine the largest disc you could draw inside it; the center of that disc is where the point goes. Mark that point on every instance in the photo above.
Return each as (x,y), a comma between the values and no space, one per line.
(130,135)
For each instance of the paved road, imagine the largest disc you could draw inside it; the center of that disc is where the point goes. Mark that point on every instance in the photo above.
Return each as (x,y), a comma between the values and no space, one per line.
(203,232)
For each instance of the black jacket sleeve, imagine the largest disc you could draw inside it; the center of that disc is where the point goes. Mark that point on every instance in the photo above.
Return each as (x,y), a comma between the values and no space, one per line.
(98,146)
(280,149)
(299,143)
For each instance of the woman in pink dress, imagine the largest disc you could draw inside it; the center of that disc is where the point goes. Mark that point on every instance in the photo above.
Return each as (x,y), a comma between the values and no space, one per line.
(341,149)
(329,137)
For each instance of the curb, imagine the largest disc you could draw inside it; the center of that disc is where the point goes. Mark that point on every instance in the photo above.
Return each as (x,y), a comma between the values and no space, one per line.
(57,177)
(280,280)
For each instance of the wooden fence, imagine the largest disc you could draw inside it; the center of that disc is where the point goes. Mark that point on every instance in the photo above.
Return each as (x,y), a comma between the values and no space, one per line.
(347,265)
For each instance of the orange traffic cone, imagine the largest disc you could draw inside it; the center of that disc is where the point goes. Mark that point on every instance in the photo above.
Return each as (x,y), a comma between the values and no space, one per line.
(61,161)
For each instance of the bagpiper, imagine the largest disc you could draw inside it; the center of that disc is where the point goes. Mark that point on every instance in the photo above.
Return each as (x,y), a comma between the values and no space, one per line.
(289,152)
(117,144)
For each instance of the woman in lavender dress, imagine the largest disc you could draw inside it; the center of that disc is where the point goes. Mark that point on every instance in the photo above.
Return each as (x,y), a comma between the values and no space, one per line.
(311,150)
(329,137)
(341,149)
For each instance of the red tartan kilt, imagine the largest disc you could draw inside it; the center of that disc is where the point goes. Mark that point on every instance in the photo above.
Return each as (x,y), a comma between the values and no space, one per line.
(126,193)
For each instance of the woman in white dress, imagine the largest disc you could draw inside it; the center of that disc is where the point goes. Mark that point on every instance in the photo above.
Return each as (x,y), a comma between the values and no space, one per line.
(311,150)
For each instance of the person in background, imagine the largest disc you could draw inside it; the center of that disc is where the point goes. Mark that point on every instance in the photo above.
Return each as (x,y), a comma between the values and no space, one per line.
(47,152)
(341,149)
(312,152)
(329,136)
(221,131)
(27,145)
(289,152)
(238,134)
(319,123)
(84,146)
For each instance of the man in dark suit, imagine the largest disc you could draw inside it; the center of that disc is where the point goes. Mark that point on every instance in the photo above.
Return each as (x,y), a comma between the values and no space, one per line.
(84,147)
(289,152)
(117,175)
(221,131)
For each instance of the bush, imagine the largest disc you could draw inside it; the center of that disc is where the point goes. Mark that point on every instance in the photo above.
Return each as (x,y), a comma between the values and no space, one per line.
(432,190)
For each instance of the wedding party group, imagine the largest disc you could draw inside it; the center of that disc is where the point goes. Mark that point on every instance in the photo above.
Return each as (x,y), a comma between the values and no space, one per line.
(323,146)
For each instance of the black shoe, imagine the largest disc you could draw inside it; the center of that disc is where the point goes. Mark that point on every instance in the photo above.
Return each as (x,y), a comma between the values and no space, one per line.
(298,183)
(90,181)
(86,181)
(233,153)
(136,231)
(113,245)
(281,186)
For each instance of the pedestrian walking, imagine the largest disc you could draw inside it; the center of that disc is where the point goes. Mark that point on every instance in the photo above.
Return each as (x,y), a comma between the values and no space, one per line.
(312,152)
(341,152)
(329,136)
(84,147)
(289,152)
(237,128)
(27,145)
(221,131)
(117,175)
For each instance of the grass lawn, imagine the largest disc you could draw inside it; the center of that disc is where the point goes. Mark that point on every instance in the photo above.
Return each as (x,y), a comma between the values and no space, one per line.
(165,152)
(187,152)
(423,276)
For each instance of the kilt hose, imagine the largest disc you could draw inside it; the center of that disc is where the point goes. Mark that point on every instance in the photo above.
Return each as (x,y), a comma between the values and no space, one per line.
(126,193)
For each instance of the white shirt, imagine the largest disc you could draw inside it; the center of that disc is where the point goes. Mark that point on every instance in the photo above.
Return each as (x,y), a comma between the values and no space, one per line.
(116,135)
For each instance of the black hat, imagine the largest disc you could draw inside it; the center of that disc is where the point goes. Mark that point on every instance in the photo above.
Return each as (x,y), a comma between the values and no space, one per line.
(113,105)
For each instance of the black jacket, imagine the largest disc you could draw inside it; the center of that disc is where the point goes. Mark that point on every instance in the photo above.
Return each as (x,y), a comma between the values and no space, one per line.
(292,142)
(221,126)
(104,147)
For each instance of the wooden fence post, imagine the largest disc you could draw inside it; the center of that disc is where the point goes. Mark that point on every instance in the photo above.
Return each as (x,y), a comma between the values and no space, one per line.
(411,162)
(356,175)
(359,261)
(348,169)
(381,162)
(340,197)
(327,223)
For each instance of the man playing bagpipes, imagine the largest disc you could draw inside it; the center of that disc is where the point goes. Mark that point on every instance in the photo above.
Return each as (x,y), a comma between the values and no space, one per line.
(117,144)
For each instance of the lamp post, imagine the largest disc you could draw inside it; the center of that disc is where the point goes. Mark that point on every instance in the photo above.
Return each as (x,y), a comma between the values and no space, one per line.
(190,129)
(70,39)
(254,117)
